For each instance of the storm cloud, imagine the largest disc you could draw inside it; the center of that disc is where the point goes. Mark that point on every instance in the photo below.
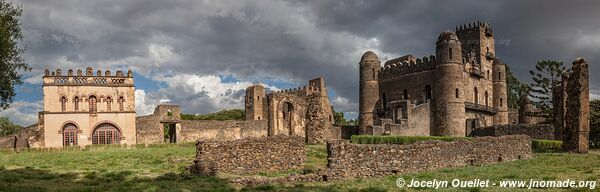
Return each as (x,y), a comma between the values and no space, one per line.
(184,45)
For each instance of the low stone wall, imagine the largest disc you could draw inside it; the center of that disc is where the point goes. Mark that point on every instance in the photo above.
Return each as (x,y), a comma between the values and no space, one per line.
(8,142)
(346,160)
(192,130)
(27,137)
(537,131)
(348,131)
(250,155)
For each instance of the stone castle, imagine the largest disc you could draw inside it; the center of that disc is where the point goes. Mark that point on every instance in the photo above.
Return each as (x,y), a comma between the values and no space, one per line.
(461,88)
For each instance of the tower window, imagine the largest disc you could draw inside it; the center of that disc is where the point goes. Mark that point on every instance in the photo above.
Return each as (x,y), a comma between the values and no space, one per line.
(475,96)
(121,101)
(457,94)
(405,94)
(487,49)
(92,103)
(63,104)
(488,74)
(76,103)
(501,104)
(108,103)
(499,75)
(450,53)
(486,99)
(384,101)
(373,73)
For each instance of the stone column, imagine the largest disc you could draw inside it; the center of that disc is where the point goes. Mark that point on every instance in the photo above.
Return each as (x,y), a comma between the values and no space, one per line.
(577,119)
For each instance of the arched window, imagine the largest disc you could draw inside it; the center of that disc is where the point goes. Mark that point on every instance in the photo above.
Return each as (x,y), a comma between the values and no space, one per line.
(427,93)
(373,73)
(383,99)
(121,101)
(486,99)
(457,94)
(63,104)
(106,133)
(476,96)
(76,103)
(108,103)
(69,134)
(405,95)
(487,49)
(93,104)
(450,53)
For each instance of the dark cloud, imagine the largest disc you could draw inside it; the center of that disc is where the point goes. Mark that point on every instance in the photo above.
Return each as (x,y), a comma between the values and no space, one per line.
(293,40)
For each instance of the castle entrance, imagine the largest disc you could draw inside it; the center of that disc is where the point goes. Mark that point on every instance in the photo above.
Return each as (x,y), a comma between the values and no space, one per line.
(288,118)
(170,132)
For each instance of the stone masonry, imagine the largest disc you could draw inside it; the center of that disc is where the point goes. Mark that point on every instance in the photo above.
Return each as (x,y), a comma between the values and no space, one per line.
(249,155)
(346,160)
(577,118)
(535,131)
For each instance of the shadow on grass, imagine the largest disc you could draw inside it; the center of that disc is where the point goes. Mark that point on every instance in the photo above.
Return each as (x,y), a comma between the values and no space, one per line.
(29,179)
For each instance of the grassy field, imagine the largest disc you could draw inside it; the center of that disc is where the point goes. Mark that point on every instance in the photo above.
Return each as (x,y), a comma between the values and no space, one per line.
(161,168)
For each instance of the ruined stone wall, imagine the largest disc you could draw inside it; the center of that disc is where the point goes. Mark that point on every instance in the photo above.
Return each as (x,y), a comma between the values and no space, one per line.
(192,130)
(537,131)
(8,142)
(513,116)
(348,131)
(346,160)
(149,130)
(250,155)
(28,137)
(577,118)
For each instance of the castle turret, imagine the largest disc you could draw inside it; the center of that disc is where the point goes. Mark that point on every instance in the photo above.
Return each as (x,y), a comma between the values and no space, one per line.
(255,103)
(500,93)
(450,106)
(369,90)
(526,110)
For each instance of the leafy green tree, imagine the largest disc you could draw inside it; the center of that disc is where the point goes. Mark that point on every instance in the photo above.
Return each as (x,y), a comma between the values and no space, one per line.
(547,75)
(516,89)
(339,118)
(233,114)
(7,127)
(10,53)
(595,123)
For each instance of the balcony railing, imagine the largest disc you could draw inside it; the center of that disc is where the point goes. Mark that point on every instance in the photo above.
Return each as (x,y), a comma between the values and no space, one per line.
(479,107)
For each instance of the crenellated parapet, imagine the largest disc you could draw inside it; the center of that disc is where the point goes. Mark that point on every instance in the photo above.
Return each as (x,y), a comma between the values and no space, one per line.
(301,91)
(87,77)
(397,67)
(475,27)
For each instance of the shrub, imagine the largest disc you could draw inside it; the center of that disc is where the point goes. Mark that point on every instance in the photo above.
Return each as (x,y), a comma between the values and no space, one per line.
(544,146)
(402,140)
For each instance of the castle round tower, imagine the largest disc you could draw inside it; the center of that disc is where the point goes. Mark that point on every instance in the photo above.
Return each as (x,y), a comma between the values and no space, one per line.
(450,106)
(369,90)
(500,93)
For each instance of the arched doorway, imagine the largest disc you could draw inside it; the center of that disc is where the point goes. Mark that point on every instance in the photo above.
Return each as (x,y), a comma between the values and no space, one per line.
(106,133)
(70,134)
(288,120)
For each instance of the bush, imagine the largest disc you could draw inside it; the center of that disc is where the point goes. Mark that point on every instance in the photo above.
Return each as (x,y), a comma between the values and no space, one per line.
(402,140)
(545,146)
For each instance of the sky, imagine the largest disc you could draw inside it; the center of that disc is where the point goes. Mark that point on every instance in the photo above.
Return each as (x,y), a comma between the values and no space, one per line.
(203,54)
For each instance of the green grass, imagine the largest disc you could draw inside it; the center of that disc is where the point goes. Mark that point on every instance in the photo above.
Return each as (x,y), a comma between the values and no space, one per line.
(544,146)
(402,140)
(161,168)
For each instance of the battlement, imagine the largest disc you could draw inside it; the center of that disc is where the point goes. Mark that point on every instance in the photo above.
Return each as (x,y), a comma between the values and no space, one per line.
(475,27)
(397,67)
(88,78)
(314,86)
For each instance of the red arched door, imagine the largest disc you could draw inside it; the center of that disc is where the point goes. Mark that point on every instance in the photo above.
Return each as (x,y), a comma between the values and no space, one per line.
(70,134)
(106,133)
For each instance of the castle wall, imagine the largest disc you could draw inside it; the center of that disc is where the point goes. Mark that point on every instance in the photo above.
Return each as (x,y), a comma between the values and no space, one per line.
(192,130)
(413,83)
(419,122)
(250,155)
(539,131)
(286,114)
(346,160)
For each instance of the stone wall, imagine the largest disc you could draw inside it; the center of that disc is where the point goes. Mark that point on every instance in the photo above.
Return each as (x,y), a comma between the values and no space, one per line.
(27,137)
(537,131)
(348,131)
(577,117)
(250,155)
(346,160)
(193,130)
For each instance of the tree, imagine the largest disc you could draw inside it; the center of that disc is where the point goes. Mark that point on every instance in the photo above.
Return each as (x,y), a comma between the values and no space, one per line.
(10,53)
(595,123)
(7,127)
(339,118)
(548,75)
(516,89)
(233,114)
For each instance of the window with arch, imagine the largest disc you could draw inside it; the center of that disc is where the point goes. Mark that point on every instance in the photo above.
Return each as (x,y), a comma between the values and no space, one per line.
(63,104)
(106,133)
(427,93)
(486,99)
(76,103)
(450,53)
(93,104)
(373,73)
(121,101)
(108,104)
(69,134)
(457,93)
(499,75)
(476,96)
(487,49)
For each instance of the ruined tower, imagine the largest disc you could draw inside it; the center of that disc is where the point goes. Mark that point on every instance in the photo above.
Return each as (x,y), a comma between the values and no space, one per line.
(577,119)
(500,93)
(450,106)
(369,89)
(255,101)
